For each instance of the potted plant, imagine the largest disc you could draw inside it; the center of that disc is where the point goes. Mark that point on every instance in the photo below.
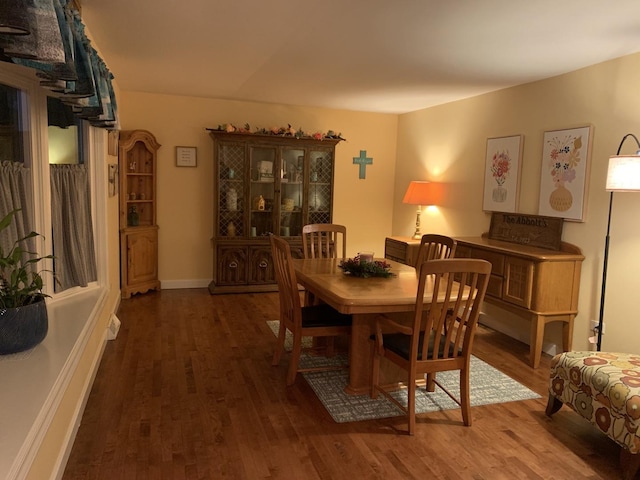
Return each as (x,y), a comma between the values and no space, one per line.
(23,312)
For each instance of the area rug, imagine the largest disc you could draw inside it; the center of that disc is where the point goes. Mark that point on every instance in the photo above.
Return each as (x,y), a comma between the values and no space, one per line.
(488,386)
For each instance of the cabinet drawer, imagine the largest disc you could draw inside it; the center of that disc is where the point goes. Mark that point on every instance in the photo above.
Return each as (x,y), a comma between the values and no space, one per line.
(495,286)
(496,260)
(395,250)
(401,249)
(462,251)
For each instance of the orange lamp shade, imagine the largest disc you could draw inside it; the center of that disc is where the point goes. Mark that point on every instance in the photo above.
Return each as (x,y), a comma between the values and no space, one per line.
(422,193)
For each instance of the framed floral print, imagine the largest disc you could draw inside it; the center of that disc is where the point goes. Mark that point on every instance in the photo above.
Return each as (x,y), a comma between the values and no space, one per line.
(564,173)
(502,174)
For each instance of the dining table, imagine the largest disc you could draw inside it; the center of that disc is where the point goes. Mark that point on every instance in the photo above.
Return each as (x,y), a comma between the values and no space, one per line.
(364,299)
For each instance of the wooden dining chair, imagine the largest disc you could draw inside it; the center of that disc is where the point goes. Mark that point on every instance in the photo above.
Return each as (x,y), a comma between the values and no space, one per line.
(434,246)
(302,321)
(445,341)
(324,240)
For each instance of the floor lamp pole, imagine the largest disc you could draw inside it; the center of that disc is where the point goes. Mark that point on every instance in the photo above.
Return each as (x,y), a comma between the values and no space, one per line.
(604,276)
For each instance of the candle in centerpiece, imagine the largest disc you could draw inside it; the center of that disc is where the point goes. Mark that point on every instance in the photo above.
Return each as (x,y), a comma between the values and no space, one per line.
(365,256)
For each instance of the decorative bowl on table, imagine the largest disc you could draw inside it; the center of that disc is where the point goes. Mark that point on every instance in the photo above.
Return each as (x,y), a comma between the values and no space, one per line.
(365,269)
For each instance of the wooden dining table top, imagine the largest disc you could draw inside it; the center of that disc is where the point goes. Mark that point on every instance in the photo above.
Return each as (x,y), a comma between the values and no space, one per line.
(356,295)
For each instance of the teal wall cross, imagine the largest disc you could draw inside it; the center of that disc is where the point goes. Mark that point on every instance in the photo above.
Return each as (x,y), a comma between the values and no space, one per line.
(362,161)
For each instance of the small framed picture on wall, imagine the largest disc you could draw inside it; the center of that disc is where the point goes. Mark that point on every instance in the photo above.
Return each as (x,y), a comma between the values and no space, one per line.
(502,174)
(186,157)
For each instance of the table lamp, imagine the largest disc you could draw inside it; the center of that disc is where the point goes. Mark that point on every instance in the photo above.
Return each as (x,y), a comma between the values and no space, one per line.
(420,193)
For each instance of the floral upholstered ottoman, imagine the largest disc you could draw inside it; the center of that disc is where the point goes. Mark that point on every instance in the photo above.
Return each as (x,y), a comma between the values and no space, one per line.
(604,388)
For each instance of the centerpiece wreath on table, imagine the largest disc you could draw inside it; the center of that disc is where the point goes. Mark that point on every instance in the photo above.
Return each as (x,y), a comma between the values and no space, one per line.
(361,268)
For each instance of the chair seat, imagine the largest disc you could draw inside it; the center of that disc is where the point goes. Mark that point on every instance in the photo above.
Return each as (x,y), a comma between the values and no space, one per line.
(323,315)
(400,344)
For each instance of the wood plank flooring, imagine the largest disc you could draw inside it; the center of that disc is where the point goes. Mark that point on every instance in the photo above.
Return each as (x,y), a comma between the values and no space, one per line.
(187,391)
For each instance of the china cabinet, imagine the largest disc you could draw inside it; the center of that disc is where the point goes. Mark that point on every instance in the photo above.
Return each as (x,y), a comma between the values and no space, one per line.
(137,155)
(265,184)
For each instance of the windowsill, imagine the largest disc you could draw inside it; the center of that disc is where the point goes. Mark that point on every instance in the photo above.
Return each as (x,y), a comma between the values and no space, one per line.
(34,381)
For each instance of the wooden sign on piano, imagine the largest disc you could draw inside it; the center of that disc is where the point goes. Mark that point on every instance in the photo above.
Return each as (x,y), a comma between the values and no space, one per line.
(532,230)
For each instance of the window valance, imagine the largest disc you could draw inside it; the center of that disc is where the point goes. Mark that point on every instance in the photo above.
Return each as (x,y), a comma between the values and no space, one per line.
(49,36)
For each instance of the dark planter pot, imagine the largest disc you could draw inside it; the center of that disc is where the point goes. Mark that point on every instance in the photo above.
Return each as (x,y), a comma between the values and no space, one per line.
(22,328)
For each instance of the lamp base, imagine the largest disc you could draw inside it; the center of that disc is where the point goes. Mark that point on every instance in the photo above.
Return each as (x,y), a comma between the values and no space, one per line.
(417,235)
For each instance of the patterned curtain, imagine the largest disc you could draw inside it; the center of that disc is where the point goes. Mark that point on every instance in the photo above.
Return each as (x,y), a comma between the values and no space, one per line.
(15,193)
(73,245)
(57,47)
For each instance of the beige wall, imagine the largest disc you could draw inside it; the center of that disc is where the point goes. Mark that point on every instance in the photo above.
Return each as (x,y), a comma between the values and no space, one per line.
(185,195)
(448,144)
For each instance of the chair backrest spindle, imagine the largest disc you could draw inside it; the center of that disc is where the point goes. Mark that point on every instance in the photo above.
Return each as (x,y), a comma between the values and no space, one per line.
(324,240)
(434,247)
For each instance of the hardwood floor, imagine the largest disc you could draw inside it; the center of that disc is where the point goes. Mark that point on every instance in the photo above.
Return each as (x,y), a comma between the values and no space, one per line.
(187,391)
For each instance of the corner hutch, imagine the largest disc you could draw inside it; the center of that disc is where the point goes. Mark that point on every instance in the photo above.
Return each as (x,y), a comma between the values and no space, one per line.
(137,154)
(265,184)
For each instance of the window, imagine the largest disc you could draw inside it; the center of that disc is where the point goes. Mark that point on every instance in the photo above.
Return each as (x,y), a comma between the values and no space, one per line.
(11,141)
(74,262)
(75,151)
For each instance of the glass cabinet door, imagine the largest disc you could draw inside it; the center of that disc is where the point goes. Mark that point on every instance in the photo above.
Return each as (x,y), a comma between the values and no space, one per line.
(291,192)
(320,181)
(231,190)
(264,172)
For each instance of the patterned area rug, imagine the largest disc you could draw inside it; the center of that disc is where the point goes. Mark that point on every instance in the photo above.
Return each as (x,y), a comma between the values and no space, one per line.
(488,386)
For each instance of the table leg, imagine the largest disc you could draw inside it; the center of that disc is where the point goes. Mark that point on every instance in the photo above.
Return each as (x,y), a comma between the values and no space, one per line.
(360,355)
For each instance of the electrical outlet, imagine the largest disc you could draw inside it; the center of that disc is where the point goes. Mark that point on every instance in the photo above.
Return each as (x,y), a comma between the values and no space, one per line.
(594,326)
(113,328)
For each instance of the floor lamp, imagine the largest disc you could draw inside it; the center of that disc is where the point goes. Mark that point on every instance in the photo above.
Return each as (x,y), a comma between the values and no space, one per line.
(420,193)
(623,175)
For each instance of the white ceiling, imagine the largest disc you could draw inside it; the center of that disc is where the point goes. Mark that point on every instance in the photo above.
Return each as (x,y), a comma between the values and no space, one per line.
(367,55)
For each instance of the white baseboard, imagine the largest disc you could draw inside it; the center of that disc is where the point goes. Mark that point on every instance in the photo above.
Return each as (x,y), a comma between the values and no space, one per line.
(515,330)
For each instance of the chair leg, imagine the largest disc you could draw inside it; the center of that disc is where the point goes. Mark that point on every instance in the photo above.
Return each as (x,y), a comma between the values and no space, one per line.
(309,298)
(277,354)
(465,400)
(411,402)
(375,372)
(294,360)
(330,346)
(431,384)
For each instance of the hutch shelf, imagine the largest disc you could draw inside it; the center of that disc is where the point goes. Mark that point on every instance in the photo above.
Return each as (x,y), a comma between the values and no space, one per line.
(265,184)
